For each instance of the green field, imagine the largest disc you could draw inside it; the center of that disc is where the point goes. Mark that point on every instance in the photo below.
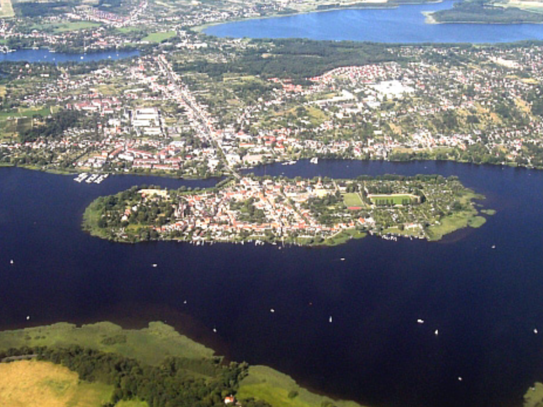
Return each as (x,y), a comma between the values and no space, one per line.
(159,37)
(352,200)
(150,345)
(280,390)
(75,26)
(29,112)
(396,199)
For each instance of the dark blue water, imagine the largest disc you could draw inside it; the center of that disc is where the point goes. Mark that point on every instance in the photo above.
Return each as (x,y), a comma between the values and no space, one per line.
(485,302)
(44,55)
(405,24)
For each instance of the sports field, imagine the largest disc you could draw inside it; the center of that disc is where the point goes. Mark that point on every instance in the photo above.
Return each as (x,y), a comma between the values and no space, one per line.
(352,200)
(394,199)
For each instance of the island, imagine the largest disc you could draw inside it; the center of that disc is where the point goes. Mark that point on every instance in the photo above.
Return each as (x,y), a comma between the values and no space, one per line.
(279,210)
(103,364)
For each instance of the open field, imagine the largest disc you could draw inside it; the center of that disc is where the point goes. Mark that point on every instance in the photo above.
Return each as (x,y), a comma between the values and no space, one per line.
(352,200)
(344,236)
(132,403)
(29,112)
(150,345)
(6,9)
(266,384)
(396,199)
(75,26)
(159,37)
(44,384)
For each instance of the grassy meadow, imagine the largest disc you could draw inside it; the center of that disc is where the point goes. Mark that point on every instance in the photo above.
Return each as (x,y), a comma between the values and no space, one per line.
(149,345)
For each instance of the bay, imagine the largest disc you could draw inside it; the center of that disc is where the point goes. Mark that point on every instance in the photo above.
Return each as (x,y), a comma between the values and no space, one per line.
(403,24)
(485,302)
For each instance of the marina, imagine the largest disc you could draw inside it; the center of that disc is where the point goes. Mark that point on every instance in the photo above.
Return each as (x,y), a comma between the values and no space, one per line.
(91,178)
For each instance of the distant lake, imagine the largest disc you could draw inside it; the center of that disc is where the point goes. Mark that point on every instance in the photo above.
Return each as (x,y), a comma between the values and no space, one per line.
(404,24)
(485,302)
(44,55)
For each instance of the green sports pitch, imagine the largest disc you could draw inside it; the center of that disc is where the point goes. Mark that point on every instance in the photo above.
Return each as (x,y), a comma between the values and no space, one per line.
(394,199)
(352,200)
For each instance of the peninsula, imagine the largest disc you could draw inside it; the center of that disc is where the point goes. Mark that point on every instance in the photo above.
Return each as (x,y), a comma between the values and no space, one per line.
(307,212)
(491,12)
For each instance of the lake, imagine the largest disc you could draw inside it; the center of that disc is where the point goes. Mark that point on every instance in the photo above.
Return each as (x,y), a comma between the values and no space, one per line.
(485,302)
(44,55)
(404,24)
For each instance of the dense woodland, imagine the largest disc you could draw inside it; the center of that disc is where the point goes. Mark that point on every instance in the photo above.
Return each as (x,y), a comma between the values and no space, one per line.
(52,126)
(294,58)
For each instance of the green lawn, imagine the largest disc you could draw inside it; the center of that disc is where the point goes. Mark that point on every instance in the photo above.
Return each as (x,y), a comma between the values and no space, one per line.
(75,26)
(43,111)
(264,383)
(344,236)
(159,37)
(132,403)
(352,200)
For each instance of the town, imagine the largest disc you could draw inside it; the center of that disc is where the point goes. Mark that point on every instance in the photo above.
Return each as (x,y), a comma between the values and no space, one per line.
(319,211)
(180,110)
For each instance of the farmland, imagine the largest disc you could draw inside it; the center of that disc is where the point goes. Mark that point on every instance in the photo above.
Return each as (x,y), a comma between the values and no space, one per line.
(44,384)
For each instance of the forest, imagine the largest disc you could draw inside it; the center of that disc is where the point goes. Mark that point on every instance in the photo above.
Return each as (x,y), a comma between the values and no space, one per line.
(296,59)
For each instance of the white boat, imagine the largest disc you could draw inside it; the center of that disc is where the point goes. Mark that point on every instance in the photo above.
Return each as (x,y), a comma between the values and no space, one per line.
(330,319)
(436,332)
(420,321)
(154,265)
(91,178)
(314,160)
(81,177)
(99,179)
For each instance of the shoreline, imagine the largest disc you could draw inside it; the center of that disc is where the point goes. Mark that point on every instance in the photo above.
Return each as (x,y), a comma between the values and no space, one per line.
(156,341)
(370,6)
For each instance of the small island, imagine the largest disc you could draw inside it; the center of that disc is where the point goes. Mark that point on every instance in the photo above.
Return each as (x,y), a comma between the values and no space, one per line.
(279,210)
